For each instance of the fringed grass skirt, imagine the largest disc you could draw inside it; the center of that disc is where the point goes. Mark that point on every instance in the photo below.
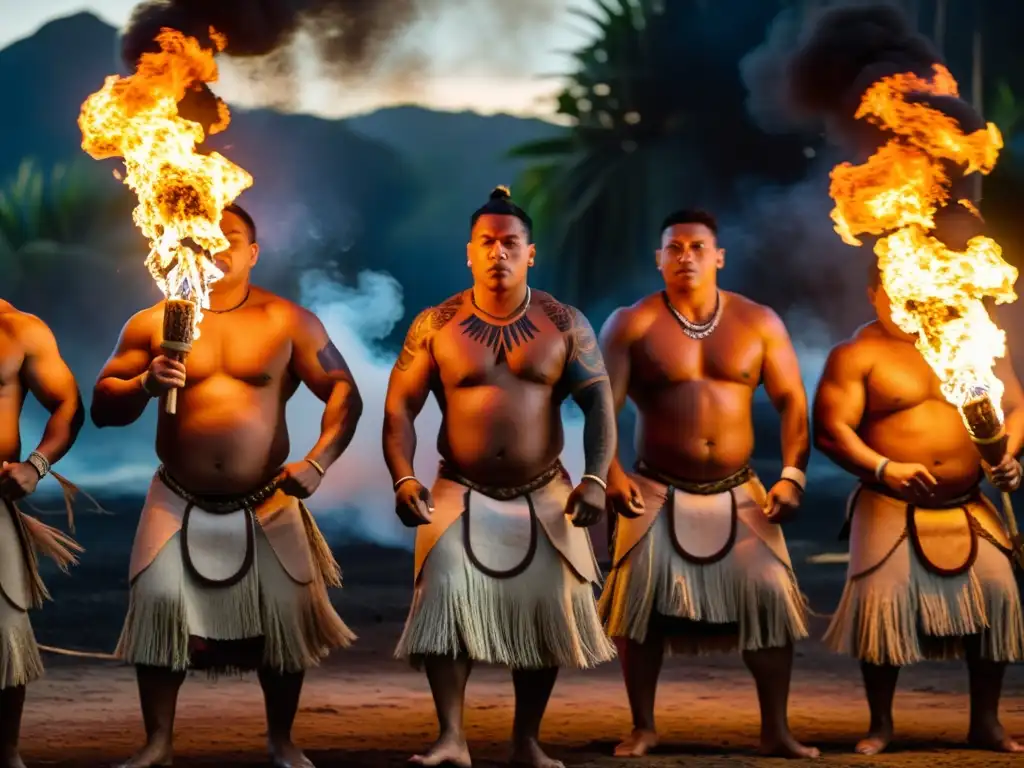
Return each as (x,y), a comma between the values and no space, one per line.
(544,616)
(20,663)
(747,600)
(896,611)
(170,610)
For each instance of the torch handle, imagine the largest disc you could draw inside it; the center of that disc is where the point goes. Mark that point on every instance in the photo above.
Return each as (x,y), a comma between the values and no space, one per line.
(171,401)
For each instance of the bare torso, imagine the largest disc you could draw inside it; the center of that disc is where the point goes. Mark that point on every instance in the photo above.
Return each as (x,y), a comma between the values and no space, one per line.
(907,419)
(12,390)
(501,421)
(694,398)
(230,434)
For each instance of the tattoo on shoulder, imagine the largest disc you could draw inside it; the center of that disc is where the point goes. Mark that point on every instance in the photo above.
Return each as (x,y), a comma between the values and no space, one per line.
(585,363)
(443,313)
(427,322)
(331,360)
(558,313)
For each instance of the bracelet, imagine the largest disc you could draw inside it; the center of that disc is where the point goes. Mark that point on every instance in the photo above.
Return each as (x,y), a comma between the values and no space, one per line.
(40,463)
(795,476)
(401,480)
(145,386)
(316,465)
(880,469)
(596,479)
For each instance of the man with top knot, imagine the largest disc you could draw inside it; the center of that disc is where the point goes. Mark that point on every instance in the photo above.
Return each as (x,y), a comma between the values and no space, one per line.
(505,570)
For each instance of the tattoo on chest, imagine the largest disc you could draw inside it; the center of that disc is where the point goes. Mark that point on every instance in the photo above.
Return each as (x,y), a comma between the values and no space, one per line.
(500,338)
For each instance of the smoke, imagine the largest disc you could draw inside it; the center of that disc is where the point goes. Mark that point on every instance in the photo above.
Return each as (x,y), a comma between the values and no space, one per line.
(764,72)
(850,47)
(350,41)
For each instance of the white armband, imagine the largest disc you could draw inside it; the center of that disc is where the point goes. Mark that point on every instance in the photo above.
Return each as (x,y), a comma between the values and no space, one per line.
(794,475)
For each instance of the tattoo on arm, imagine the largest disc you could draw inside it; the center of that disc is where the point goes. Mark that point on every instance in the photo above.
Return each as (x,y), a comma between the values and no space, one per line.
(332,361)
(427,322)
(585,363)
(599,428)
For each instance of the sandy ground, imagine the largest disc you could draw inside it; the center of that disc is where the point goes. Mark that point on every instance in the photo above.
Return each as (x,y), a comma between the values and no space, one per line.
(364,709)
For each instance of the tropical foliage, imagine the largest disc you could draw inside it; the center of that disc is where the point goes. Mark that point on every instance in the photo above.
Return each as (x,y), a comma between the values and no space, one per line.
(658,118)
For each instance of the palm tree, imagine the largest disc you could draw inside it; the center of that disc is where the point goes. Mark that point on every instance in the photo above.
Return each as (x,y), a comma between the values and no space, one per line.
(658,119)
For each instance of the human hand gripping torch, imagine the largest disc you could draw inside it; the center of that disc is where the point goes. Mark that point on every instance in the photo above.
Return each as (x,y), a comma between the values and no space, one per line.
(179,322)
(985,426)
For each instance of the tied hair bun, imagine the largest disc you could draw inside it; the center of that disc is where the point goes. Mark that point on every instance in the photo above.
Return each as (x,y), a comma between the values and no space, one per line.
(501,193)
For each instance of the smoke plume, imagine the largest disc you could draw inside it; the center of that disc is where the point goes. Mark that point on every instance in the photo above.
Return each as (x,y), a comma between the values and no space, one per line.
(854,45)
(349,40)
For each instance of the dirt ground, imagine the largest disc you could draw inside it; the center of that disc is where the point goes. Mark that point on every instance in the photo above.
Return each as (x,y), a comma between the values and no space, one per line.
(366,710)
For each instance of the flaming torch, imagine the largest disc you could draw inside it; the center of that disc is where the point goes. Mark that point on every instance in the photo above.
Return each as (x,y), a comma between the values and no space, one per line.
(926,150)
(182,191)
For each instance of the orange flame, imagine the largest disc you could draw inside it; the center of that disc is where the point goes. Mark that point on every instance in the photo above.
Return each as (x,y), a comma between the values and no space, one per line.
(935,293)
(181,192)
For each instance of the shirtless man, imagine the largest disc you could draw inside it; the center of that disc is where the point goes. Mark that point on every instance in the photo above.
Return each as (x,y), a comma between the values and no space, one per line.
(228,570)
(700,562)
(516,587)
(926,583)
(30,361)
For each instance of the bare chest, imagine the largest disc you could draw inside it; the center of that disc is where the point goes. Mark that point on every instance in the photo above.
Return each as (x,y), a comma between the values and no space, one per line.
(901,380)
(254,353)
(473,352)
(667,356)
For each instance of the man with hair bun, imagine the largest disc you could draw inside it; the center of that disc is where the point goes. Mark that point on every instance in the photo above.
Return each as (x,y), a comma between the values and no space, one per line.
(505,568)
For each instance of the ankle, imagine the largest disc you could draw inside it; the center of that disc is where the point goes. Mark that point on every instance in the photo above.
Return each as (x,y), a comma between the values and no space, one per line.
(526,739)
(452,733)
(988,721)
(880,724)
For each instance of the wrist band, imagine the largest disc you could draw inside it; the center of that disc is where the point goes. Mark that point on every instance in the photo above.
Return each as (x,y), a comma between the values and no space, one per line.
(145,386)
(795,476)
(596,479)
(40,463)
(880,469)
(316,465)
(401,480)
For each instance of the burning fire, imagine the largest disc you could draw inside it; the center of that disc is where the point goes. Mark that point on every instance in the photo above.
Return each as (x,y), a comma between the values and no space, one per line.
(181,192)
(935,293)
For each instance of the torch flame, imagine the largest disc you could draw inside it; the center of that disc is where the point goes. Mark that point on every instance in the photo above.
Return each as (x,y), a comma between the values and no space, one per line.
(935,293)
(181,192)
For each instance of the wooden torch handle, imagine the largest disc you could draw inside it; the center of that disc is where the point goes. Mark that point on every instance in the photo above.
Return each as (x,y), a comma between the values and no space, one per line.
(171,402)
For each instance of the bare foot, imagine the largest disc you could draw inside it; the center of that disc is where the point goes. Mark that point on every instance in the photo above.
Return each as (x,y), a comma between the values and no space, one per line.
(993,738)
(447,750)
(637,744)
(786,746)
(284,754)
(876,741)
(153,754)
(530,755)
